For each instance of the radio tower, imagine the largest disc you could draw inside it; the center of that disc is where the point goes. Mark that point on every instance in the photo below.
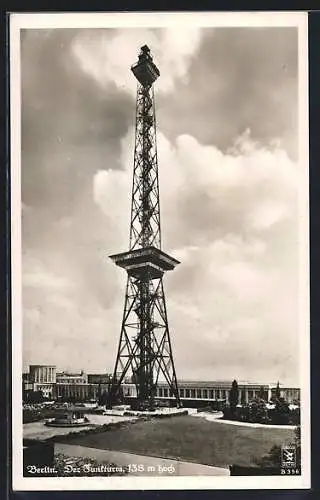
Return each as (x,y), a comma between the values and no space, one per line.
(144,351)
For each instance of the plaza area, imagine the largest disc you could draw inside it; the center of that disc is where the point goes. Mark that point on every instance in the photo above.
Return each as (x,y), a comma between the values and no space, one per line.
(189,439)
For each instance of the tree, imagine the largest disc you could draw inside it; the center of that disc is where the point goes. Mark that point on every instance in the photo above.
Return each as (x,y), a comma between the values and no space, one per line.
(34,397)
(233,397)
(99,392)
(272,459)
(262,393)
(276,394)
(103,398)
(297,442)
(258,411)
(90,392)
(120,396)
(281,413)
(297,434)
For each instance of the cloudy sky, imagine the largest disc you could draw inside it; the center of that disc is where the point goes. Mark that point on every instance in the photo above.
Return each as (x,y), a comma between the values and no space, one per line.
(227,144)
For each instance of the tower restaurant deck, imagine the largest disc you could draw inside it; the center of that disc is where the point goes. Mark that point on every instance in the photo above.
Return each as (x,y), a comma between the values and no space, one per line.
(149,262)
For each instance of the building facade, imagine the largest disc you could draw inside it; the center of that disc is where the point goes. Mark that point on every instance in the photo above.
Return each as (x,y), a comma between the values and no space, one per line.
(85,387)
(80,392)
(42,374)
(290,394)
(99,378)
(217,392)
(41,378)
(71,378)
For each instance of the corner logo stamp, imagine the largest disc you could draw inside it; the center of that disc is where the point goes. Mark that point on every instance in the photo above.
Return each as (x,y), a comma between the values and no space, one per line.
(288,457)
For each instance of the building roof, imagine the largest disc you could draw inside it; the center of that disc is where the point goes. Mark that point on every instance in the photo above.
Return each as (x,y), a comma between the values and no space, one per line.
(218,383)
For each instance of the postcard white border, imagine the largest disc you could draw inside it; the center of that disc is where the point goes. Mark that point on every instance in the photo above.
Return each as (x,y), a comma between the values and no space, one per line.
(192,19)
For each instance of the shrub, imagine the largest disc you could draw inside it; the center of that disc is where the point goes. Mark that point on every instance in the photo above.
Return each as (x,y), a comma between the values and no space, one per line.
(258,411)
(272,459)
(281,413)
(294,416)
(233,398)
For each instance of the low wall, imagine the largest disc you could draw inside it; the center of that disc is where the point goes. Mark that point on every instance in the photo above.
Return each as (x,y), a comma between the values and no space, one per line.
(38,454)
(238,470)
(140,465)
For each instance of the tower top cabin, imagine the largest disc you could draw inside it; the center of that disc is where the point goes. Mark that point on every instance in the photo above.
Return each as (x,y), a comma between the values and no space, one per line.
(145,71)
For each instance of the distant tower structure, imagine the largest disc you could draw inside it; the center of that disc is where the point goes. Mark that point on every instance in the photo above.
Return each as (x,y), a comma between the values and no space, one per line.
(144,351)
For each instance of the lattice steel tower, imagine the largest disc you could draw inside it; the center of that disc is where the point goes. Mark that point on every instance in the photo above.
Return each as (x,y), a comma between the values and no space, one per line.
(144,351)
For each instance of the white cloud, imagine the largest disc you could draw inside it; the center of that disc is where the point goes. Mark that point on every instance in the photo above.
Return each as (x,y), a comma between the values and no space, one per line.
(268,214)
(234,294)
(39,276)
(229,217)
(109,60)
(232,302)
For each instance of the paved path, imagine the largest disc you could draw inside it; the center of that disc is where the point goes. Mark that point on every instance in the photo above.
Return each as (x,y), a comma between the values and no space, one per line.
(38,430)
(141,465)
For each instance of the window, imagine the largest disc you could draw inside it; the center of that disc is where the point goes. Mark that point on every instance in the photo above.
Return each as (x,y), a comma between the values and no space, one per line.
(205,393)
(218,393)
(187,393)
(199,395)
(181,391)
(165,393)
(193,393)
(211,395)
(160,392)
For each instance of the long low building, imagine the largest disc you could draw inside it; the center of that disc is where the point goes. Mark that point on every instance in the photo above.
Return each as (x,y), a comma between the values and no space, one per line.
(191,393)
(218,391)
(82,387)
(79,392)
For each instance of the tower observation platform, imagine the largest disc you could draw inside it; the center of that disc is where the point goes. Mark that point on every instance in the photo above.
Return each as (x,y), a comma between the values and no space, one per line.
(144,350)
(145,263)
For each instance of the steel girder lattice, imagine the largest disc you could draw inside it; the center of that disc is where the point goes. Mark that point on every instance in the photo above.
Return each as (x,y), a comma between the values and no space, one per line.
(145,208)
(144,352)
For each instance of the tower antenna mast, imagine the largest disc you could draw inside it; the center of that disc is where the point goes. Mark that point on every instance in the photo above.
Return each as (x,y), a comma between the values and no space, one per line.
(144,350)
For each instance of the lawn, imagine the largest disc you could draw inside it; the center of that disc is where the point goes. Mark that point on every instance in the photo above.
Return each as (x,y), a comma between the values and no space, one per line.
(190,439)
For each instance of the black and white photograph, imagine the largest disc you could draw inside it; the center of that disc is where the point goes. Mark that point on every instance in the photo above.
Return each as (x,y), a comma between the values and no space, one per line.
(160,275)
